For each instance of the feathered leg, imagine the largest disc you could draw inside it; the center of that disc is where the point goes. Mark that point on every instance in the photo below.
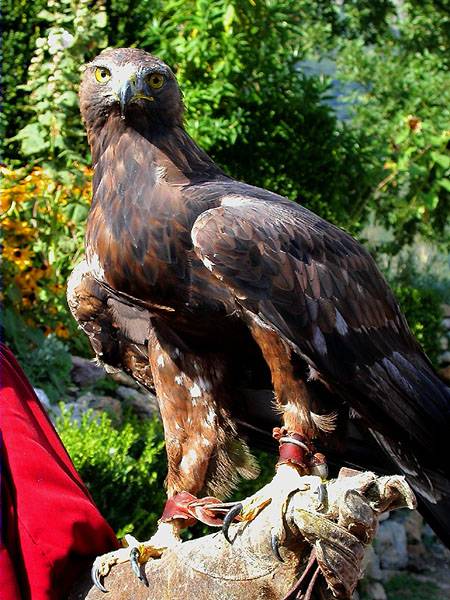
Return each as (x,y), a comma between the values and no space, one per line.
(203,450)
(299,464)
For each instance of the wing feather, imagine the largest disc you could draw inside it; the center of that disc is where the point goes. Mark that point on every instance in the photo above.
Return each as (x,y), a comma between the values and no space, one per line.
(325,295)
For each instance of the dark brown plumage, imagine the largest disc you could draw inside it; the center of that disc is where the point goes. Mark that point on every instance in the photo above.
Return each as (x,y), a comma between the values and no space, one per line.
(215,286)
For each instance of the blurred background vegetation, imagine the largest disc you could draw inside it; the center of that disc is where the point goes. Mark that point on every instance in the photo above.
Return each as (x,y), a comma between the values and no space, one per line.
(343,106)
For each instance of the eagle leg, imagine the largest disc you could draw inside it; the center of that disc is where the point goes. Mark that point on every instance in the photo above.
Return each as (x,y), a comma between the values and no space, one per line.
(274,497)
(298,464)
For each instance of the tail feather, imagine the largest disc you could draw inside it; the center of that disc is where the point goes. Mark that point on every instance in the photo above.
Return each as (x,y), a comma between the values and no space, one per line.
(430,483)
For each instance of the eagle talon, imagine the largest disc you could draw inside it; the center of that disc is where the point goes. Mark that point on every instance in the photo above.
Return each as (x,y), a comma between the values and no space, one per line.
(320,493)
(275,544)
(134,562)
(96,579)
(228,519)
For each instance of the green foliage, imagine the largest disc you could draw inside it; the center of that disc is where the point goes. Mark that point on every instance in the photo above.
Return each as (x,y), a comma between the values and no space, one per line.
(122,465)
(402,103)
(20,26)
(420,296)
(74,29)
(422,308)
(407,587)
(45,360)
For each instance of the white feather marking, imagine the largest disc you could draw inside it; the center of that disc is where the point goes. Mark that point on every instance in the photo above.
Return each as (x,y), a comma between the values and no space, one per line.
(96,268)
(325,423)
(160,173)
(76,277)
(179,379)
(195,391)
(233,200)
(160,361)
(210,417)
(208,264)
(188,460)
(313,374)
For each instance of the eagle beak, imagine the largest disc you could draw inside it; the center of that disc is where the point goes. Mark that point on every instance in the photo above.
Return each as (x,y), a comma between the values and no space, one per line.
(126,93)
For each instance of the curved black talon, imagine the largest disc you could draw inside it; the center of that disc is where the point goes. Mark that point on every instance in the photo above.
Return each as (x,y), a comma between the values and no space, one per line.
(275,544)
(96,580)
(320,493)
(134,561)
(228,519)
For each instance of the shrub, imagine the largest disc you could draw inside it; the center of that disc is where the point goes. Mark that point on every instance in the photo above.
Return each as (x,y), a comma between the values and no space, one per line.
(421,287)
(423,311)
(122,465)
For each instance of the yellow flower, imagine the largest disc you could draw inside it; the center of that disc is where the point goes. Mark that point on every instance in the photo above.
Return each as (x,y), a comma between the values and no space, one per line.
(61,331)
(5,200)
(18,228)
(21,257)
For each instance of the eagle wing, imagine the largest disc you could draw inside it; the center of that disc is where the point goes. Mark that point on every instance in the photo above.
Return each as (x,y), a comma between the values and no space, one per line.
(322,292)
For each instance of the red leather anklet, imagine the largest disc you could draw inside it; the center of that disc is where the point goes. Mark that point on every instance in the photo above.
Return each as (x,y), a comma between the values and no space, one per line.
(294,447)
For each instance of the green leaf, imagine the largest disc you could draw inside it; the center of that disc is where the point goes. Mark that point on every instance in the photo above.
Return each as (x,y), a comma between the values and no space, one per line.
(431,200)
(32,140)
(229,17)
(445,183)
(441,159)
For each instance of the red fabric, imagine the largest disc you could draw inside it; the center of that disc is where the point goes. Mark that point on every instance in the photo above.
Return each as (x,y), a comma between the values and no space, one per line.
(50,528)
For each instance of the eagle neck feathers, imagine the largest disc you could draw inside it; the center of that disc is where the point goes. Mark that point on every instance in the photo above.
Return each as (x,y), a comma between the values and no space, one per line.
(169,152)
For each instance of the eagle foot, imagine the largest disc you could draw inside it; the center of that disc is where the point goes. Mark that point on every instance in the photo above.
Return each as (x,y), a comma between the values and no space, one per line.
(275,497)
(137,553)
(189,509)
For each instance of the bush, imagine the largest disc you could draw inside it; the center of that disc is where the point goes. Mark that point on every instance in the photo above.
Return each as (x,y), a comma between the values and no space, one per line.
(421,287)
(123,467)
(423,310)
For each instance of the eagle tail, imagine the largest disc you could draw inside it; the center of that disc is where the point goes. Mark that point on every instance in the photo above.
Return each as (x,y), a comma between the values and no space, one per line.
(430,483)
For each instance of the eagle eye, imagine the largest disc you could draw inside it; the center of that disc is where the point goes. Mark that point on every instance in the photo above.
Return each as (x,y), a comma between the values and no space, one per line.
(102,74)
(155,80)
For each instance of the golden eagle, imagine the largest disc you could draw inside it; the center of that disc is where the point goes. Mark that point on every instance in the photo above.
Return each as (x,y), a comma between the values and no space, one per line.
(207,287)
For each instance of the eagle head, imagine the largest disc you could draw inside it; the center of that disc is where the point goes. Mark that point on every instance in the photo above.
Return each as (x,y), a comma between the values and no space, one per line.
(131,84)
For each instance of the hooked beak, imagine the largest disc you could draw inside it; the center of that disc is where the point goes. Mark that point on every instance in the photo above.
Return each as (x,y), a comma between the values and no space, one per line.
(126,94)
(130,91)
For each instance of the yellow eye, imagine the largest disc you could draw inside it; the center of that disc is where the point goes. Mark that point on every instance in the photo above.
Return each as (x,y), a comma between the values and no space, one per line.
(102,74)
(155,80)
